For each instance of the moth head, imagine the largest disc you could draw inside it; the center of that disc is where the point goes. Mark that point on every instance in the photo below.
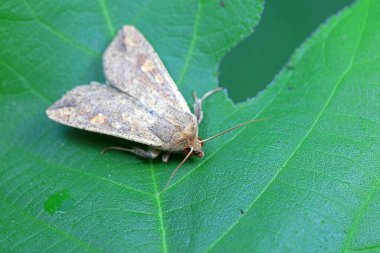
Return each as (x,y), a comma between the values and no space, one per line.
(196,149)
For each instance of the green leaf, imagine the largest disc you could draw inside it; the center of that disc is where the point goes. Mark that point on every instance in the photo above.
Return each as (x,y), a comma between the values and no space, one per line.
(305,180)
(57,192)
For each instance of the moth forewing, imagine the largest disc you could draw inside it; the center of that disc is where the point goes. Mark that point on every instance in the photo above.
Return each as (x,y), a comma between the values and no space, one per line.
(131,65)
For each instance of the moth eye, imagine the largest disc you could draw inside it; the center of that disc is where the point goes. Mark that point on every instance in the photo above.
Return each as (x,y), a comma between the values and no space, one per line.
(186,151)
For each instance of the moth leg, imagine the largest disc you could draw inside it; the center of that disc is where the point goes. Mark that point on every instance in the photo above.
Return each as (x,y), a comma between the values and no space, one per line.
(198,103)
(165,157)
(148,154)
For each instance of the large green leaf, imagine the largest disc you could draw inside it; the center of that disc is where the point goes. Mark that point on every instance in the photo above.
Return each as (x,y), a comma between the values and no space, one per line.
(306,180)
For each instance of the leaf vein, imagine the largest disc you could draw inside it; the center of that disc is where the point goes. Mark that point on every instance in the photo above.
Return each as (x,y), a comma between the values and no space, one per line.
(27,85)
(360,215)
(56,230)
(367,248)
(62,36)
(55,165)
(190,52)
(107,17)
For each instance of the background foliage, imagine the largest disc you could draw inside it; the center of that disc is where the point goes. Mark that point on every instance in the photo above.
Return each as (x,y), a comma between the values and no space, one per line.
(284,25)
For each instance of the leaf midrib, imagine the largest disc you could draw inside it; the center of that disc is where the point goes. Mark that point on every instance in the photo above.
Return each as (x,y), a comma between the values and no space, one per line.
(159,209)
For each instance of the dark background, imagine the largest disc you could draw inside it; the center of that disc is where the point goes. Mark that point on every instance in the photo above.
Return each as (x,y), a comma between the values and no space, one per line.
(285,24)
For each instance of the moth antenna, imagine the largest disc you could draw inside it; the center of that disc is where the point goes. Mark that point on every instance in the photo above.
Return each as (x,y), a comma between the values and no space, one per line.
(179,166)
(233,128)
(211,92)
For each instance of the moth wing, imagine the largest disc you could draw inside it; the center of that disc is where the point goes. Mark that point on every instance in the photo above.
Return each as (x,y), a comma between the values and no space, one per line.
(131,65)
(103,109)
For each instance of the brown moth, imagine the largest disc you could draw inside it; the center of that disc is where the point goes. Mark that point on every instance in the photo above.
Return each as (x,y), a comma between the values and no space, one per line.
(141,103)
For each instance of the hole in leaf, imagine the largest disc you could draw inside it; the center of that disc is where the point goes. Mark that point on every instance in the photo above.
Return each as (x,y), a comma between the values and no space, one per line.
(249,67)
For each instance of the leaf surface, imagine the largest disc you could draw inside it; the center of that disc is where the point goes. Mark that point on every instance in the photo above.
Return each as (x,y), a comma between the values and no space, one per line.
(305,180)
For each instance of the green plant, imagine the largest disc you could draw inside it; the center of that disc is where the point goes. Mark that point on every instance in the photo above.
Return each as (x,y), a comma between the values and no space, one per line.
(306,180)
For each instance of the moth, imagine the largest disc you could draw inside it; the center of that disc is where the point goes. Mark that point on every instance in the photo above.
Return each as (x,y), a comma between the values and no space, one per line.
(140,103)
